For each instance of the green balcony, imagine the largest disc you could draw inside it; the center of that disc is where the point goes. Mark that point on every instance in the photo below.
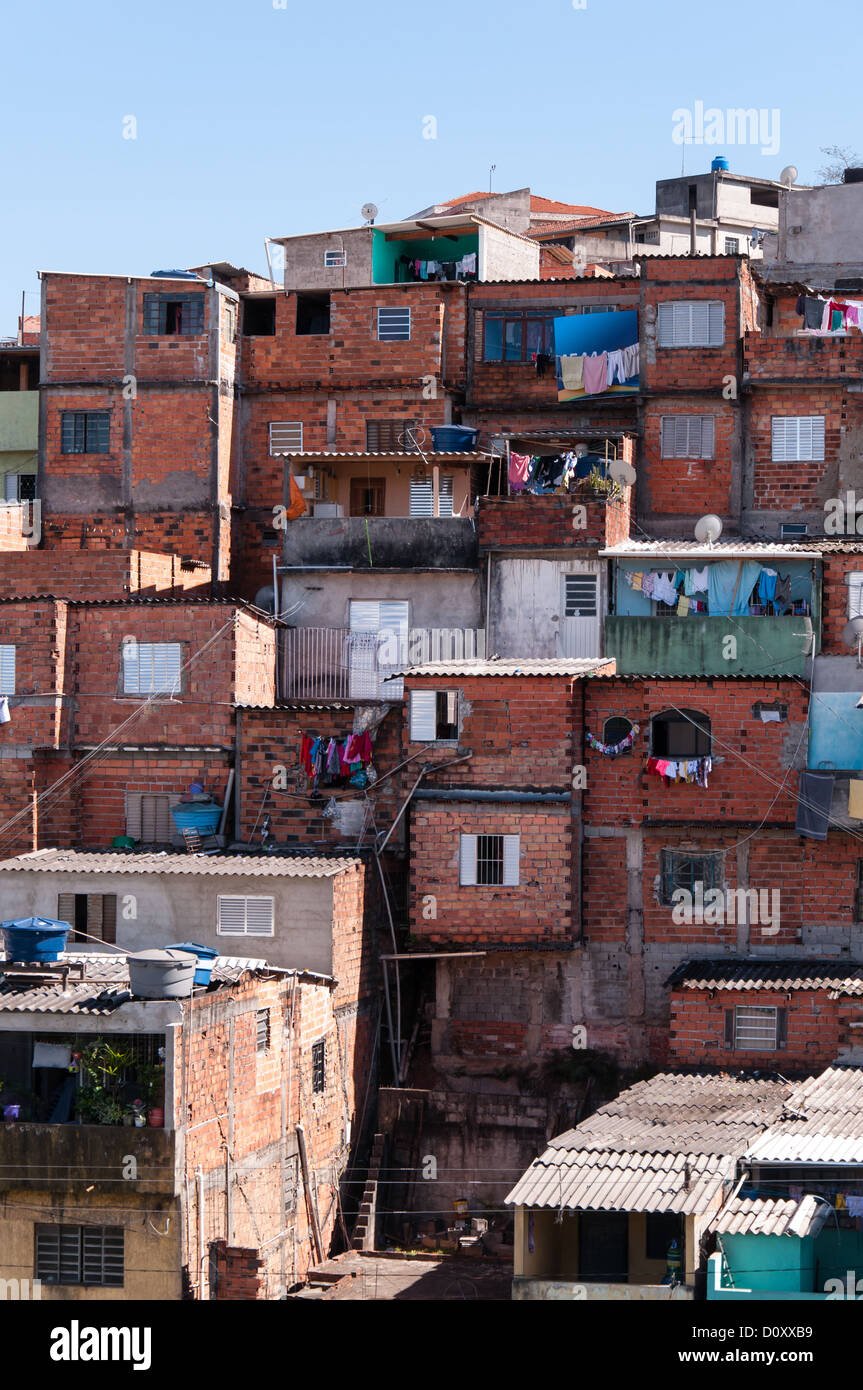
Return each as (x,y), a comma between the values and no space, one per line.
(704,646)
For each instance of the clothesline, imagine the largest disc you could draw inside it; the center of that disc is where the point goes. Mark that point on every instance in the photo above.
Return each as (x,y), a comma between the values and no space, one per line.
(694,771)
(727,584)
(595,372)
(828,314)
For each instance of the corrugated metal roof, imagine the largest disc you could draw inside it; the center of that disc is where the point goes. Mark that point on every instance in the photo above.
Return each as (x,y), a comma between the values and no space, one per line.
(771,1216)
(60,861)
(719,550)
(493,666)
(768,974)
(404,455)
(821,1122)
(667,1144)
(104,989)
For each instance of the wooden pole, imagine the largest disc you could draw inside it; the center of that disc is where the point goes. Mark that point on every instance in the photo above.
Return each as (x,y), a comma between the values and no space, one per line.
(311,1196)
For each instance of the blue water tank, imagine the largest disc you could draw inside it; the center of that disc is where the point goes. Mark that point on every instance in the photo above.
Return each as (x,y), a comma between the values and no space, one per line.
(207,958)
(29,939)
(720,162)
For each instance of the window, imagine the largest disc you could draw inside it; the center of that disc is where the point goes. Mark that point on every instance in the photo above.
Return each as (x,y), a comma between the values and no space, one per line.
(434,716)
(579,595)
(687,437)
(732,246)
(148,818)
(516,337)
(660,1229)
(368,496)
(80,1255)
(319,1066)
(313,314)
(858,896)
(85,431)
(683,870)
(394,325)
(286,437)
(422,496)
(89,914)
(332,259)
(855,595)
(683,734)
(391,436)
(615,730)
(259,318)
(7,670)
(173,314)
(244,916)
(19,487)
(789,530)
(262,1026)
(755,1028)
(683,323)
(486,860)
(230,323)
(797,438)
(152,668)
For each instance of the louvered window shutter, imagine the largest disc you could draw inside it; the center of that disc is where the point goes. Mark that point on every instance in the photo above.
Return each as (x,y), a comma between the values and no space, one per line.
(445,496)
(66,908)
(423,716)
(511,860)
(729,1028)
(781,1027)
(855,596)
(232,916)
(7,670)
(133,815)
(109,918)
(259,916)
(421,497)
(467,860)
(94,915)
(716,336)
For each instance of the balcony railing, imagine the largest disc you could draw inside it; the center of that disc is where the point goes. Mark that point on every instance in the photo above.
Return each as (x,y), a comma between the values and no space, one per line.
(334,663)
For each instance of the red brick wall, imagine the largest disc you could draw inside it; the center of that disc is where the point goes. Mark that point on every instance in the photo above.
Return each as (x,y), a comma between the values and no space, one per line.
(526,520)
(793,487)
(684,486)
(834,600)
(816,1024)
(664,279)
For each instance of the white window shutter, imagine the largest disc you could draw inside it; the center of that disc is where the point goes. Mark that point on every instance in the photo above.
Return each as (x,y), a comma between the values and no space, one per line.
(365,615)
(286,436)
(716,323)
(423,716)
(511,846)
(259,916)
(708,437)
(421,497)
(231,916)
(855,596)
(445,496)
(467,860)
(7,670)
(666,325)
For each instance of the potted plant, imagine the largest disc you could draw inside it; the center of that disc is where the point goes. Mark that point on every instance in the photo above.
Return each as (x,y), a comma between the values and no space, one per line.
(102,1066)
(151,1079)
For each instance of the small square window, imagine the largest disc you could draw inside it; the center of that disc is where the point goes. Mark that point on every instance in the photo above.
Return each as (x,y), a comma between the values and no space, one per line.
(173,315)
(85,431)
(313,314)
(262,1024)
(151,668)
(681,870)
(732,246)
(319,1066)
(286,437)
(333,259)
(394,325)
(489,860)
(756,1028)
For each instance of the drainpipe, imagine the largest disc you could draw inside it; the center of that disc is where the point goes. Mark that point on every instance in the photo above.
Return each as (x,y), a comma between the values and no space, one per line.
(693,233)
(199,1178)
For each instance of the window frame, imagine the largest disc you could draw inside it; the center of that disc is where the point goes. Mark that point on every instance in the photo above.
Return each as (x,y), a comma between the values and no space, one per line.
(469,860)
(735,241)
(131,653)
(245,899)
(156,306)
(263,1031)
(80,1236)
(422,489)
(670,878)
(733,1021)
(92,915)
(779,450)
(7,668)
(87,417)
(285,448)
(393,335)
(337,264)
(611,741)
(671,717)
(670,318)
(319,1067)
(670,426)
(421,713)
(521,319)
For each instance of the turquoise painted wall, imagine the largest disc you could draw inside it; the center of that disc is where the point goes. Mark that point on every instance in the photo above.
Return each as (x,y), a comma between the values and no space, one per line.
(385,253)
(836,730)
(772,1262)
(696,645)
(630,601)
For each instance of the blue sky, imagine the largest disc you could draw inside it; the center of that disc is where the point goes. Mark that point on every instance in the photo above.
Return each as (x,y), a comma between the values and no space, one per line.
(256,120)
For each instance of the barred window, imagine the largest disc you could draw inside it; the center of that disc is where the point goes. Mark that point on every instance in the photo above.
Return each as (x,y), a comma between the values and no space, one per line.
(80,1255)
(319,1065)
(173,315)
(262,1025)
(756,1028)
(684,870)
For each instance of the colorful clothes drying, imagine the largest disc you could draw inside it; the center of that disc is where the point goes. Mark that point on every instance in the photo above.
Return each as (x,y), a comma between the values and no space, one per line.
(596,373)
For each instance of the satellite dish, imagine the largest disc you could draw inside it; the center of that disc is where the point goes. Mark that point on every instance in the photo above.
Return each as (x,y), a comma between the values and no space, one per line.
(622,472)
(708,529)
(369,211)
(265,599)
(852,632)
(788,175)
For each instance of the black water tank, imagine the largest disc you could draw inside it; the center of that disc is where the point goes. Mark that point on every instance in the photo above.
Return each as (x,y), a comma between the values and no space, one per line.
(854,175)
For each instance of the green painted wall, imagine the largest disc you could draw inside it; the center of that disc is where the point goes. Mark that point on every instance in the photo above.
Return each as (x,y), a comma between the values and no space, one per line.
(19,420)
(385,253)
(695,646)
(773,1263)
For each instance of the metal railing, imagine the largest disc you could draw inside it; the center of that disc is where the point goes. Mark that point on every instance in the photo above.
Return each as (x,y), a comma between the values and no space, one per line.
(335,663)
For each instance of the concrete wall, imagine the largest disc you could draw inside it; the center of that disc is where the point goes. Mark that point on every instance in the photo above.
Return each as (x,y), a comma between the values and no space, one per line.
(177,907)
(504,257)
(819,226)
(19,420)
(436,600)
(304,260)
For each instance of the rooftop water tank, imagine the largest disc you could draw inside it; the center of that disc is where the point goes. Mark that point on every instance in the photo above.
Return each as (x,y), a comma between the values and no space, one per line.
(205,955)
(720,162)
(34,939)
(161,974)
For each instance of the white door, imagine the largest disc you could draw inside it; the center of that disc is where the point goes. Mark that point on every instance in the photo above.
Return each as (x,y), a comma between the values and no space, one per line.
(579,622)
(378,645)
